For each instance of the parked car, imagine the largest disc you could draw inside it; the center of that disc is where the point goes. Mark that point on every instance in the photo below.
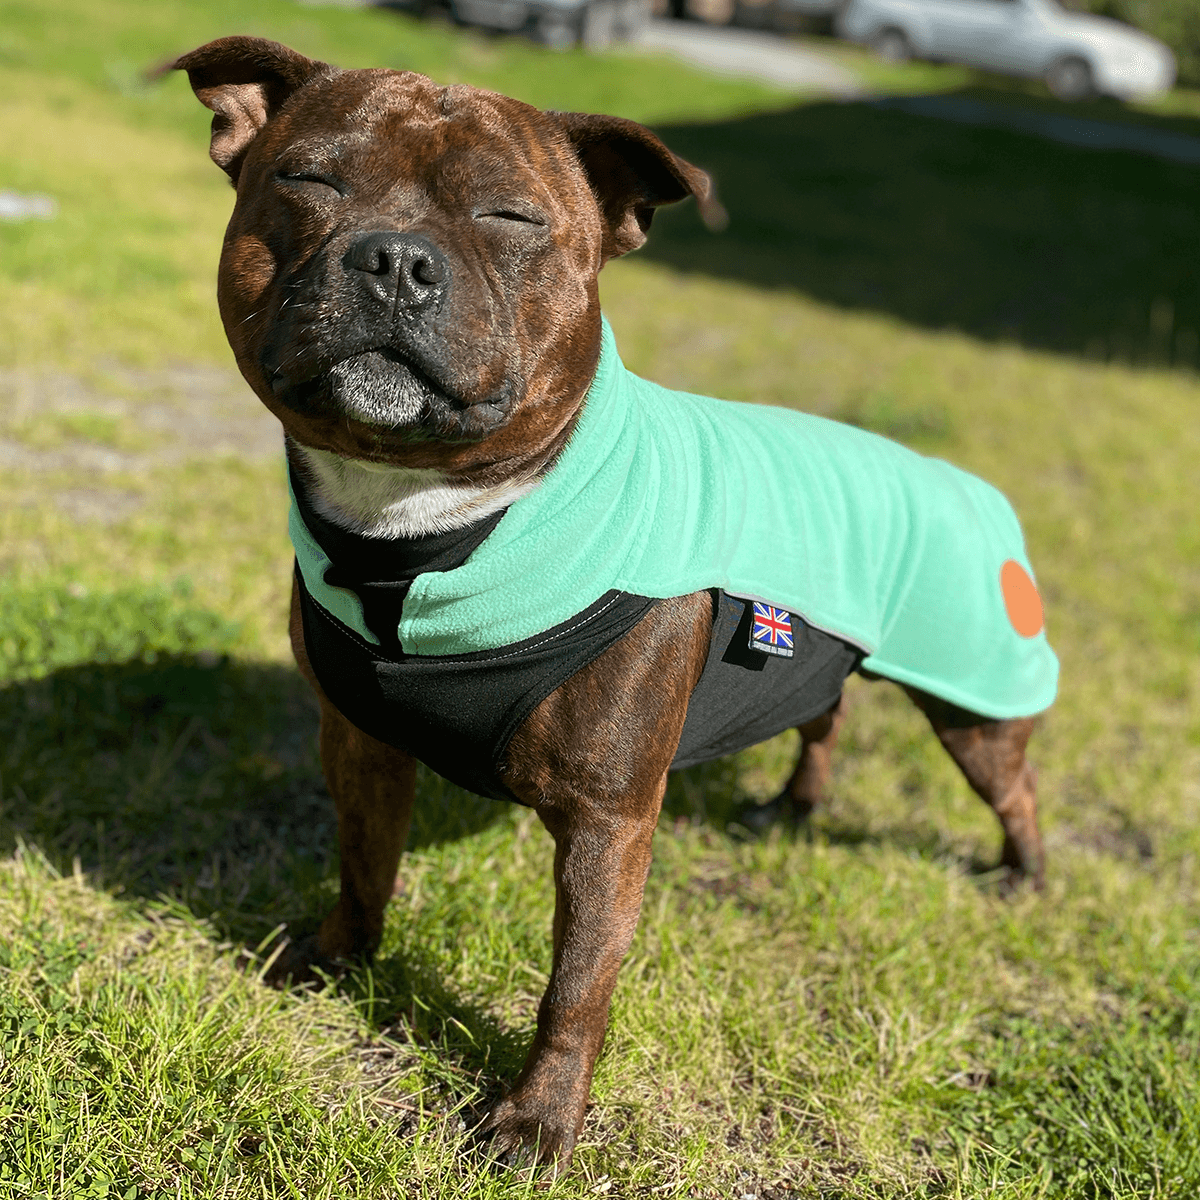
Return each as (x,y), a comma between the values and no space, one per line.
(1077,54)
(557,23)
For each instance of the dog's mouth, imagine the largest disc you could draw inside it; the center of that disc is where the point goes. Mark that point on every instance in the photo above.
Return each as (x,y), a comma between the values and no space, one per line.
(376,386)
(394,396)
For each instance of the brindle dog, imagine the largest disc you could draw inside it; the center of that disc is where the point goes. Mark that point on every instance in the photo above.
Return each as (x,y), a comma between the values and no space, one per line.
(483,223)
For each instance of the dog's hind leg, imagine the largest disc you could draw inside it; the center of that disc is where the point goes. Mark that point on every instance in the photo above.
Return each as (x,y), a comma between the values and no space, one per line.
(991,754)
(806,787)
(808,783)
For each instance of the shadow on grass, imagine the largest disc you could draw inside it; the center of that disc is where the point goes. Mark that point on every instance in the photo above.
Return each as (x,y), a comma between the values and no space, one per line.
(914,839)
(196,778)
(193,776)
(468,1050)
(995,233)
(715,794)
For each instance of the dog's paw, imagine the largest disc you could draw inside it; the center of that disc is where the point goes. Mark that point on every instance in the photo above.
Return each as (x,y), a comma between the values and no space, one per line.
(1024,867)
(759,818)
(1016,881)
(527,1130)
(301,964)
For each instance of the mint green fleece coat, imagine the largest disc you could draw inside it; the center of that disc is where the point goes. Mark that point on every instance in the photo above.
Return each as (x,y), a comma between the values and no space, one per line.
(661,493)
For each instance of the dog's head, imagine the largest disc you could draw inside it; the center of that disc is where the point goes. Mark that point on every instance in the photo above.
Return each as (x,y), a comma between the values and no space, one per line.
(409,274)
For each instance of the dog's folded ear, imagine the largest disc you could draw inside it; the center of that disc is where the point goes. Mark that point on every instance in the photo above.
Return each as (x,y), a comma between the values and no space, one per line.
(245,81)
(631,173)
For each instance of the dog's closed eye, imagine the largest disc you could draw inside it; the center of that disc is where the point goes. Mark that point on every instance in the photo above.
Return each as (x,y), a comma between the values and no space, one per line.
(310,179)
(521,216)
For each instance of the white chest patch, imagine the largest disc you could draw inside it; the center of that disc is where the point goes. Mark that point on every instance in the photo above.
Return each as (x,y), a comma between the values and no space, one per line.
(382,501)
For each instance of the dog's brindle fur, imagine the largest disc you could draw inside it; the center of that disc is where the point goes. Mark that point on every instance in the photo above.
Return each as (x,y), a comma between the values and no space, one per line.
(409,279)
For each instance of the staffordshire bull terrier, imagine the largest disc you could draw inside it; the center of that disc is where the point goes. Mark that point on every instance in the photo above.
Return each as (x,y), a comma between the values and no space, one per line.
(550,580)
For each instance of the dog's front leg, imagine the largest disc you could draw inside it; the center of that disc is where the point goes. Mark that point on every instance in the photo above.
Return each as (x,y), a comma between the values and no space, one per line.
(592,760)
(372,785)
(600,869)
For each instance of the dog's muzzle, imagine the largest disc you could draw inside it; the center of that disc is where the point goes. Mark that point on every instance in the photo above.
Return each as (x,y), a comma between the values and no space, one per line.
(382,352)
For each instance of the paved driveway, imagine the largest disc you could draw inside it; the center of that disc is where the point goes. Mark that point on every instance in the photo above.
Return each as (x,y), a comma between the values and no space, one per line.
(764,56)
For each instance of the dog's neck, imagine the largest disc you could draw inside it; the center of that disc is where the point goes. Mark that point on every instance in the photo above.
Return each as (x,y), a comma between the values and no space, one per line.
(379,501)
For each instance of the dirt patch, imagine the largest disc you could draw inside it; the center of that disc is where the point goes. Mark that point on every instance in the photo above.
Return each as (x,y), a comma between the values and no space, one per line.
(1105,836)
(100,506)
(183,412)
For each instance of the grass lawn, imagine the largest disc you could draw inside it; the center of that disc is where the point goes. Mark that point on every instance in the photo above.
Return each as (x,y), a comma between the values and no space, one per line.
(850,1011)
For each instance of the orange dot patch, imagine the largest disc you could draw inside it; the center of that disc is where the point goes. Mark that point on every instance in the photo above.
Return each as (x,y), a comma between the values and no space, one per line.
(1021,599)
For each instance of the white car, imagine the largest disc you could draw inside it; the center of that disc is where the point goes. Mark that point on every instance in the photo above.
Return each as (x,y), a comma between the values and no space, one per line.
(1078,55)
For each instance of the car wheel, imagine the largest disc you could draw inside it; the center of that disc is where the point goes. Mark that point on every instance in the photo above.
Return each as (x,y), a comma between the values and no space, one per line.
(556,30)
(1070,79)
(892,45)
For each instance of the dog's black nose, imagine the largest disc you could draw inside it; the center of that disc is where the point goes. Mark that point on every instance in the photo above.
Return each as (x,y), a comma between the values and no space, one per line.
(405,267)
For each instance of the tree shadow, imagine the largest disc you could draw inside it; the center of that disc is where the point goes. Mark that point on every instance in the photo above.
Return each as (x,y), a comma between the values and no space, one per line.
(993,232)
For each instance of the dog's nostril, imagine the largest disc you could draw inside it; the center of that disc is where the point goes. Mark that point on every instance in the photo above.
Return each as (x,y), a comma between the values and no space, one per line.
(429,271)
(377,264)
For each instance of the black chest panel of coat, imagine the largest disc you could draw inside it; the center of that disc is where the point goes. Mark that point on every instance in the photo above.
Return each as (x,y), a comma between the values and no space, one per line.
(457,714)
(746,696)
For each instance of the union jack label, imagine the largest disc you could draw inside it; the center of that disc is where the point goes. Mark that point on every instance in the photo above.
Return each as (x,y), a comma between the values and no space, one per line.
(771,630)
